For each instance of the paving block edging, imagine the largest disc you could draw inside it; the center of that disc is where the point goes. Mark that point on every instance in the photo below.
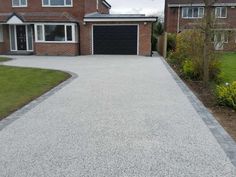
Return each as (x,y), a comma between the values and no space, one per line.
(223,138)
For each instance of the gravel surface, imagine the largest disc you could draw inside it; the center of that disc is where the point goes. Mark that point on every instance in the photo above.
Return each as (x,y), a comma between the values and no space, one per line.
(123,116)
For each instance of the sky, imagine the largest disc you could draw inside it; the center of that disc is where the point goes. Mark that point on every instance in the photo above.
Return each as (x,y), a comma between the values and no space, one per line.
(148,7)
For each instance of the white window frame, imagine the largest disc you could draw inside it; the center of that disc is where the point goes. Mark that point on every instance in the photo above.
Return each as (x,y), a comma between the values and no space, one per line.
(1,33)
(193,12)
(49,5)
(20,4)
(226,12)
(15,36)
(74,35)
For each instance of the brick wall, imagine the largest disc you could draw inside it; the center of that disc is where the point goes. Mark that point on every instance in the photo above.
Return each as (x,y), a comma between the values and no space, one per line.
(56,49)
(145,32)
(5,45)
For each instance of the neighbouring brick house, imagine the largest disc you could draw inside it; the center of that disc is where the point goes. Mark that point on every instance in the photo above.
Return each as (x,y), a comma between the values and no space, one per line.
(71,27)
(185,14)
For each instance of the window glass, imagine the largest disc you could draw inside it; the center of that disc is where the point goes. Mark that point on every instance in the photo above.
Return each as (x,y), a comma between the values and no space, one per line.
(69,33)
(223,12)
(30,37)
(45,2)
(39,32)
(185,12)
(68,2)
(12,37)
(19,2)
(57,2)
(54,33)
(201,12)
(195,12)
(1,33)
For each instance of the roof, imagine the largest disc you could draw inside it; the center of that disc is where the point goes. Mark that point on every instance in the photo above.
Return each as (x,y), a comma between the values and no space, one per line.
(38,17)
(117,17)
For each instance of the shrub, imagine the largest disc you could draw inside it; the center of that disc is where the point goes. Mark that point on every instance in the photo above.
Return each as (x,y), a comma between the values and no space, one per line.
(226,95)
(189,70)
(188,56)
(171,42)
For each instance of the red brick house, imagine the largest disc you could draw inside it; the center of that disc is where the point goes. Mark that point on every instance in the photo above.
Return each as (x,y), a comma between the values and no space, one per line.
(71,27)
(183,14)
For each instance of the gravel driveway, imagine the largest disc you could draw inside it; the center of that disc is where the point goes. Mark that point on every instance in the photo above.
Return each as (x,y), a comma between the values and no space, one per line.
(123,116)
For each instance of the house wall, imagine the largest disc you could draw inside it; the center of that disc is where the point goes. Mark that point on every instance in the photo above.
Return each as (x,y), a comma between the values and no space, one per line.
(56,49)
(5,45)
(228,24)
(145,33)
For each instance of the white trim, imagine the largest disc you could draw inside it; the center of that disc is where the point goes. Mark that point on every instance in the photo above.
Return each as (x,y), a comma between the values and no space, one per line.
(138,34)
(120,19)
(15,36)
(62,6)
(198,17)
(74,40)
(20,5)
(226,12)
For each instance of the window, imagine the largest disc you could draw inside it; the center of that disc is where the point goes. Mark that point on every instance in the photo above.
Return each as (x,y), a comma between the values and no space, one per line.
(1,33)
(192,12)
(221,12)
(19,3)
(52,3)
(55,33)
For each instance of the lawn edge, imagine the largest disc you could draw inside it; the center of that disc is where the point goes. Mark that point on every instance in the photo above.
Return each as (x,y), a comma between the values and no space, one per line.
(223,138)
(32,104)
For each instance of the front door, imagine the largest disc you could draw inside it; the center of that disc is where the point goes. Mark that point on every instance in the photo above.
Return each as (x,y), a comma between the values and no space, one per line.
(21,37)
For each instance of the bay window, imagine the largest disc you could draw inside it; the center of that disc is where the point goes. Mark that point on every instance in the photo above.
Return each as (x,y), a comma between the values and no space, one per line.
(57,3)
(55,33)
(19,3)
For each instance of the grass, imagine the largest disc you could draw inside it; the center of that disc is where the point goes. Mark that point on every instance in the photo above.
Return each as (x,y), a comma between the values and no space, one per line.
(19,86)
(2,59)
(229,67)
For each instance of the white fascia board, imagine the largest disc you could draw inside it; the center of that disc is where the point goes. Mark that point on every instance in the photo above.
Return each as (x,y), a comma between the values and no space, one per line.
(120,20)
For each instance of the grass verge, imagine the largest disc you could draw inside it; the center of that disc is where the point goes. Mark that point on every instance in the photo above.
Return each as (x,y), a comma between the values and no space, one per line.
(19,86)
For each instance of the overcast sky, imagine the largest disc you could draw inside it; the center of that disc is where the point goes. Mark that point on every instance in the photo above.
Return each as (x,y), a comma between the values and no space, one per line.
(137,6)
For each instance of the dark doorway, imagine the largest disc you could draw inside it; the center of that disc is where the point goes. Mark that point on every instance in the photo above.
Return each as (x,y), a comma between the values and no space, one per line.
(21,37)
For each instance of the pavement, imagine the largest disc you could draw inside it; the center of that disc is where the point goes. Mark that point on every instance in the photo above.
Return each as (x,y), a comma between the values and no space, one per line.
(120,116)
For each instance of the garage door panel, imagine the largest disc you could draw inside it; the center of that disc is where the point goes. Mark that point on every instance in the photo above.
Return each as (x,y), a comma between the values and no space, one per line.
(115,39)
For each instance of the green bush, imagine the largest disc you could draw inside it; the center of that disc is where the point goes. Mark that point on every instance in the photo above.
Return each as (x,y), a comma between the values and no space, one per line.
(226,95)
(188,56)
(189,70)
(171,42)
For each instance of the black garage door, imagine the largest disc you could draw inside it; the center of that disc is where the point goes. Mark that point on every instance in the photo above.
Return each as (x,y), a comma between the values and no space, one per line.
(115,40)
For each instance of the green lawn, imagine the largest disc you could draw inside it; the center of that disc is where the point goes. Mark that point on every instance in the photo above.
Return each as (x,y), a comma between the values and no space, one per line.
(229,67)
(19,86)
(2,59)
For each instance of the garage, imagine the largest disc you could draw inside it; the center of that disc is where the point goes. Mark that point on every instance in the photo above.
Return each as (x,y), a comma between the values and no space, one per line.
(119,34)
(115,39)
